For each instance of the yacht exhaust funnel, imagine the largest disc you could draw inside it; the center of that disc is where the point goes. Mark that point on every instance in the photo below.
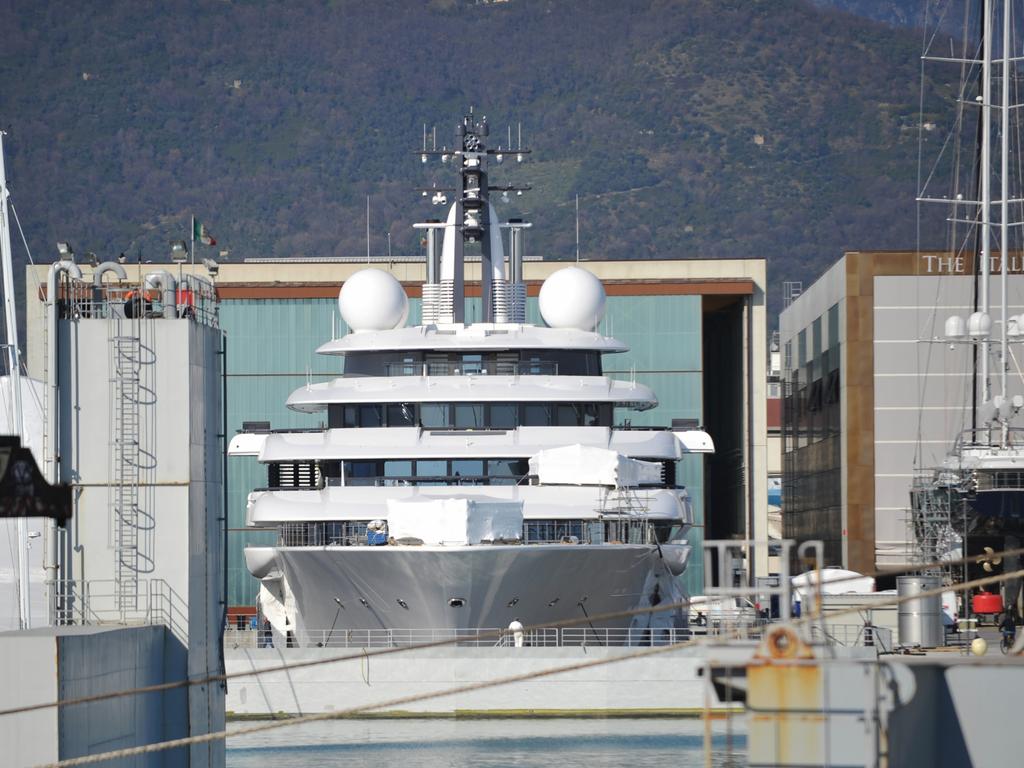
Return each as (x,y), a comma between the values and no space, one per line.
(451,298)
(492,280)
(451,231)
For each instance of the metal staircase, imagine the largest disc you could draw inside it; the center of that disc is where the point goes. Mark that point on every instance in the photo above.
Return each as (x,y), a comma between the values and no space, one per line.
(126,363)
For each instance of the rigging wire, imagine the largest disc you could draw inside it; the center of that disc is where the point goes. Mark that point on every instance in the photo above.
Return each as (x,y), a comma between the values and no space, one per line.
(495,634)
(483,684)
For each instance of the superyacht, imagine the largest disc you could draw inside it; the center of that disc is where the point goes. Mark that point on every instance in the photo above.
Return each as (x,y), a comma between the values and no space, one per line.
(470,474)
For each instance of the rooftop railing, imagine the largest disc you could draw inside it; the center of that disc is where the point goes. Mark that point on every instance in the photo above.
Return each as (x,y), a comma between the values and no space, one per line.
(102,602)
(195,298)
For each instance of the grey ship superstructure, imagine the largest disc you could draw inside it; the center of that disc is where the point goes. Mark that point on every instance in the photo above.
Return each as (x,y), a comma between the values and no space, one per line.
(470,474)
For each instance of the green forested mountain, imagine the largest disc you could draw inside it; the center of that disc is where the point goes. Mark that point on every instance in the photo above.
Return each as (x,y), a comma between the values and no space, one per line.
(713,128)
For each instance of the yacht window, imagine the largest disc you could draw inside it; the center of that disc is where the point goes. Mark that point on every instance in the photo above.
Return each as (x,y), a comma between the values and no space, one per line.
(533,365)
(383,364)
(467,471)
(360,472)
(401,415)
(591,415)
(331,470)
(342,416)
(506,471)
(469,415)
(397,469)
(472,364)
(407,366)
(351,416)
(371,415)
(504,467)
(537,415)
(437,364)
(568,415)
(539,531)
(503,415)
(432,468)
(506,364)
(434,416)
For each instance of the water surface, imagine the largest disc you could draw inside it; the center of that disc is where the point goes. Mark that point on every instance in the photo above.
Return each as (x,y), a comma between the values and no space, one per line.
(449,743)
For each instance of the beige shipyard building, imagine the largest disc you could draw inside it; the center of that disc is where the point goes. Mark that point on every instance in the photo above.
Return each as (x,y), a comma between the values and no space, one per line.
(874,394)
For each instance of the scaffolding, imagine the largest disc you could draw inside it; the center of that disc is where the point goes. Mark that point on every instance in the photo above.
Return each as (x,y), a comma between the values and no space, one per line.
(931,524)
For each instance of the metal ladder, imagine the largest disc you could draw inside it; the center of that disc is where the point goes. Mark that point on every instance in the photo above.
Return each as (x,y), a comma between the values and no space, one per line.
(126,354)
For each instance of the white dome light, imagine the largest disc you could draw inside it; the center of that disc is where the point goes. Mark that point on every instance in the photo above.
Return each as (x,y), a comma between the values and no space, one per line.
(955,327)
(572,298)
(373,300)
(979,325)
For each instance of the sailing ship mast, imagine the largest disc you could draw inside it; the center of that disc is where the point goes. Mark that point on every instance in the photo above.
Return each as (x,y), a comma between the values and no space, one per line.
(14,369)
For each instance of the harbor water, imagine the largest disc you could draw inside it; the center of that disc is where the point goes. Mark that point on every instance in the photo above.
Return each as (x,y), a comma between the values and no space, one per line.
(491,743)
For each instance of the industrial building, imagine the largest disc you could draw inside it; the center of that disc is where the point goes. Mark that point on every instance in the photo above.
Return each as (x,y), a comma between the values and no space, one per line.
(695,328)
(874,395)
(133,423)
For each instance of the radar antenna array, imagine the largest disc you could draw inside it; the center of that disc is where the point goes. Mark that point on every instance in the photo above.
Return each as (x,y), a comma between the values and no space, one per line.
(472,219)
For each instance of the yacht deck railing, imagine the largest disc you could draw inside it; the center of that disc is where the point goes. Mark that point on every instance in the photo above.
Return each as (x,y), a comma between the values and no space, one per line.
(547,637)
(473,368)
(742,629)
(351,533)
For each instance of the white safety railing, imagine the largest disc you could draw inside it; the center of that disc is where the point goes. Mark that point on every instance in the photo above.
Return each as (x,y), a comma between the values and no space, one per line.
(854,635)
(97,602)
(546,637)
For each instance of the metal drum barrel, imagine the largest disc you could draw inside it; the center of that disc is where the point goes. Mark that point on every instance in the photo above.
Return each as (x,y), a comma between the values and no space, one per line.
(920,620)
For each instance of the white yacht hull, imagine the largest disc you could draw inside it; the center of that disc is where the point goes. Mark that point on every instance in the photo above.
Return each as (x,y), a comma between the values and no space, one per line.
(328,590)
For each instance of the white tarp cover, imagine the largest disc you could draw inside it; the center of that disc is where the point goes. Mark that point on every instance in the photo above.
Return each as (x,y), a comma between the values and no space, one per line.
(454,521)
(587,465)
(834,581)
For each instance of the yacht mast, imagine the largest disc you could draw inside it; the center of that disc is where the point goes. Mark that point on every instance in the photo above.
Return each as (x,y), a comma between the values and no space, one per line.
(1004,208)
(986,178)
(14,369)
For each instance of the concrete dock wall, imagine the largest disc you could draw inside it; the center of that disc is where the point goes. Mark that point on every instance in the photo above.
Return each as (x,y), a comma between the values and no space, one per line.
(65,663)
(662,683)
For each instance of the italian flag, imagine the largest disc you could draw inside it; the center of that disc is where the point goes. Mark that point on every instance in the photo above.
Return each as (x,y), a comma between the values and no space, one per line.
(200,233)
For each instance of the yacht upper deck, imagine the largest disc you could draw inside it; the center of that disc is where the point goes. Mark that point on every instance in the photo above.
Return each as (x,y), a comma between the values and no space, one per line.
(472,337)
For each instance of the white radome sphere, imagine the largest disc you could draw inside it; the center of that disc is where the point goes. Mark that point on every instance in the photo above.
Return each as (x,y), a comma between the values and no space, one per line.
(572,298)
(373,300)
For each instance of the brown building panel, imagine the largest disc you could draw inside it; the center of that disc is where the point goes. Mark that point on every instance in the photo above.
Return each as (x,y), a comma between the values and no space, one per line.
(722,287)
(861,270)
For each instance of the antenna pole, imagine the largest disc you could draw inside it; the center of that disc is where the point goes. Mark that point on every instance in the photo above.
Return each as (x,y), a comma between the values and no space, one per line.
(367,229)
(577,228)
(14,371)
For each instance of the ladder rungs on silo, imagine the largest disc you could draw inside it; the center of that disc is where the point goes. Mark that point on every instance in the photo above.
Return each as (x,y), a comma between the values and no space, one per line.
(126,357)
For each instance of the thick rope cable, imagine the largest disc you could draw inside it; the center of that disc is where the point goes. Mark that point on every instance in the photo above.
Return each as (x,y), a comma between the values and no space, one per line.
(487,635)
(481,685)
